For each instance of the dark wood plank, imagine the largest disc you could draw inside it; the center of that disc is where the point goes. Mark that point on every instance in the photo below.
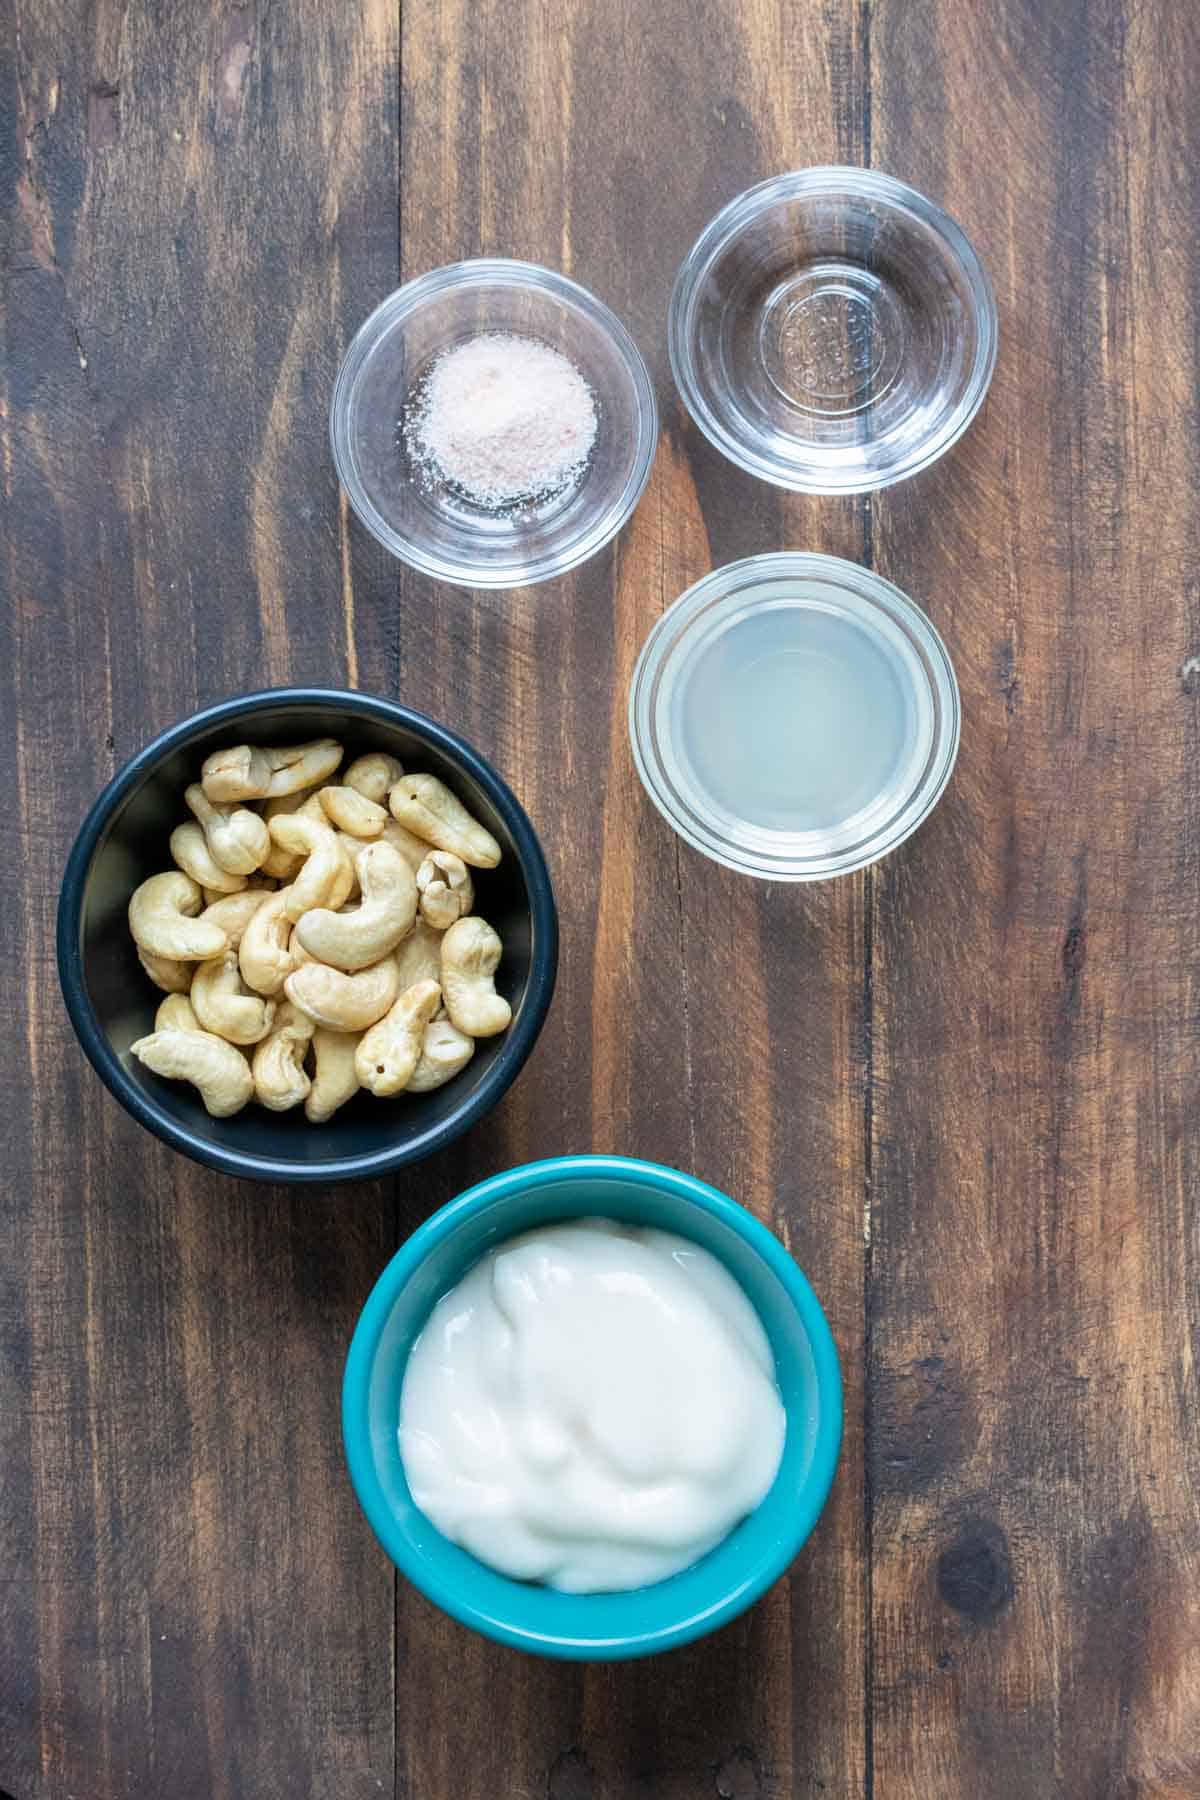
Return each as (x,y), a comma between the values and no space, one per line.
(198,201)
(1034,1448)
(700,1020)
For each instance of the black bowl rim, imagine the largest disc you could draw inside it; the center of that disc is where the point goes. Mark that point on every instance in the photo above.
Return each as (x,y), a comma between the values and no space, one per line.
(518,1041)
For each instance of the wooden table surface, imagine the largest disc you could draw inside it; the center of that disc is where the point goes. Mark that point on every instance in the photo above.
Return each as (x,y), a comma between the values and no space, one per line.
(961,1086)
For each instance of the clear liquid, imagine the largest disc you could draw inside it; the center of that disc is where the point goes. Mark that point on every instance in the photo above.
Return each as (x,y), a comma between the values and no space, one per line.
(794,718)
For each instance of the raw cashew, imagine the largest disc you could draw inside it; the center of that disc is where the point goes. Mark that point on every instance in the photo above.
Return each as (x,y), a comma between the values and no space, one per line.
(220,1072)
(445,1050)
(237,838)
(410,848)
(366,934)
(257,884)
(208,895)
(278,1065)
(175,1014)
(190,849)
(336,1079)
(301,766)
(471,953)
(388,1054)
(413,849)
(301,957)
(309,807)
(425,805)
(171,976)
(327,874)
(353,812)
(241,773)
(354,848)
(288,803)
(248,773)
(222,1004)
(391,993)
(343,1002)
(233,912)
(373,776)
(263,955)
(351,848)
(298,953)
(162,919)
(446,889)
(280,863)
(419,957)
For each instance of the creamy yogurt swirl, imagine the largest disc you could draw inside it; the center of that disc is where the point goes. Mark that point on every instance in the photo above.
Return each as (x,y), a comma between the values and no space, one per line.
(593,1407)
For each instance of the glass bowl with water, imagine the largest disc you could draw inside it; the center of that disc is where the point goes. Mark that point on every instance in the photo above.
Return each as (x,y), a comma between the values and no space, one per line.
(832,331)
(427,521)
(794,716)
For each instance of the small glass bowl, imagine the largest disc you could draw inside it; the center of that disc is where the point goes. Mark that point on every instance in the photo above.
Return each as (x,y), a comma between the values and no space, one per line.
(794,716)
(832,331)
(427,522)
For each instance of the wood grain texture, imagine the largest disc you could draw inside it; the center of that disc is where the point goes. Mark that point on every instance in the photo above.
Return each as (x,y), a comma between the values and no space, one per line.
(699,1020)
(959,1087)
(196,200)
(1034,1452)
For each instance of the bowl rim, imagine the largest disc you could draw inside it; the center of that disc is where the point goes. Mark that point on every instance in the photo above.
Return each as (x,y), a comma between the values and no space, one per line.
(470,272)
(724,226)
(356,1432)
(518,1041)
(725,583)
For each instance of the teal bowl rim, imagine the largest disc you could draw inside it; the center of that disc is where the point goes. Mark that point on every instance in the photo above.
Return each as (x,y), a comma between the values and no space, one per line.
(763,1571)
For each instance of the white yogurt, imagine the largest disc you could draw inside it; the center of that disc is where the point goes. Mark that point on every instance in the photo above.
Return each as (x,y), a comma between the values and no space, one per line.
(593,1407)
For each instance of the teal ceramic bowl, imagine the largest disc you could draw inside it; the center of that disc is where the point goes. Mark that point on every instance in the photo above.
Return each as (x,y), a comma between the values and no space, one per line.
(593,1627)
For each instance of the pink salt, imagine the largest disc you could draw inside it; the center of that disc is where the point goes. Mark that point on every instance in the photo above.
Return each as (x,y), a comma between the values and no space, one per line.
(505,417)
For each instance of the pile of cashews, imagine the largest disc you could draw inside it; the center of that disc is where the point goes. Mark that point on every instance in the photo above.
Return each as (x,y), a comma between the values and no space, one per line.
(317,922)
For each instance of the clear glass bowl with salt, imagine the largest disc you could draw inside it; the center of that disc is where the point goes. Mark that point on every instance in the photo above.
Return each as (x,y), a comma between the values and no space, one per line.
(493,423)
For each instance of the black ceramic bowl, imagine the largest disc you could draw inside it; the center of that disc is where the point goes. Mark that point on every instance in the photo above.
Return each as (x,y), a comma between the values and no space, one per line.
(112,1002)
